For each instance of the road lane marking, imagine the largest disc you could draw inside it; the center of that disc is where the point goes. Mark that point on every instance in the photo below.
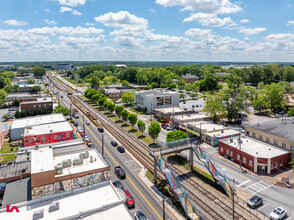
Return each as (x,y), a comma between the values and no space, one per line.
(263,189)
(263,206)
(243,183)
(253,184)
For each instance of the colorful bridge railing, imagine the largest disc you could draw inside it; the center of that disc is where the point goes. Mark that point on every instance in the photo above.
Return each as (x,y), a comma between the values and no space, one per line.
(178,188)
(214,170)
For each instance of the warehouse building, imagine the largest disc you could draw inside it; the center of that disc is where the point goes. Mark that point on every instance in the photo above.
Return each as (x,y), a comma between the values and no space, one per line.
(167,113)
(278,132)
(256,156)
(39,103)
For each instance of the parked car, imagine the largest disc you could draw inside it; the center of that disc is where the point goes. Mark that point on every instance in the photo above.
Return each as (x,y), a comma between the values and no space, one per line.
(76,124)
(121,149)
(232,159)
(278,213)
(101,129)
(80,129)
(87,123)
(227,157)
(113,143)
(118,184)
(163,124)
(140,216)
(82,133)
(120,172)
(86,138)
(61,96)
(130,202)
(254,202)
(169,128)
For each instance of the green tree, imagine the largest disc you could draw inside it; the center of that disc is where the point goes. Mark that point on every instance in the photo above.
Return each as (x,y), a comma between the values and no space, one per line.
(125,83)
(182,96)
(5,117)
(176,135)
(61,109)
(213,106)
(38,71)
(163,86)
(10,74)
(125,115)
(128,97)
(8,88)
(2,96)
(118,110)
(290,112)
(36,89)
(31,81)
(101,101)
(291,163)
(16,88)
(133,119)
(172,86)
(288,72)
(153,85)
(274,96)
(110,106)
(141,125)
(234,81)
(95,82)
(209,83)
(260,85)
(259,104)
(15,102)
(154,130)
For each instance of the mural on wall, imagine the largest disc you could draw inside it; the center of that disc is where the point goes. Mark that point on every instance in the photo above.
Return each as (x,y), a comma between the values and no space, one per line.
(216,139)
(48,138)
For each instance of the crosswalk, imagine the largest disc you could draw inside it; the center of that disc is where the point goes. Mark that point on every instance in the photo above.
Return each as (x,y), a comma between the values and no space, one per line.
(254,188)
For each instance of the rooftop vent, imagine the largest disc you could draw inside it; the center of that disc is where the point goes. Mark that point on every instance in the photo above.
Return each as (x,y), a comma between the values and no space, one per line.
(66,163)
(78,161)
(54,206)
(38,214)
(84,155)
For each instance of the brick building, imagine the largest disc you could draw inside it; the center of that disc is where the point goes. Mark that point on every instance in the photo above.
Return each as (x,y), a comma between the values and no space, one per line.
(39,103)
(190,78)
(167,113)
(255,155)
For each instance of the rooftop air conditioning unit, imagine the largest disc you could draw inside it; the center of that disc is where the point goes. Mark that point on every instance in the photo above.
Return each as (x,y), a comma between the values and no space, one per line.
(58,169)
(91,159)
(78,161)
(38,214)
(231,140)
(54,206)
(84,155)
(66,163)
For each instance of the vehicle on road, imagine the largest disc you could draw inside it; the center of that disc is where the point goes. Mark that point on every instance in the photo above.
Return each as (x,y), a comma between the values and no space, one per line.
(69,93)
(89,144)
(168,128)
(120,172)
(121,149)
(130,202)
(87,123)
(61,96)
(118,184)
(75,115)
(164,124)
(254,202)
(278,213)
(80,129)
(101,129)
(140,216)
(113,143)
(76,124)
(86,138)
(82,133)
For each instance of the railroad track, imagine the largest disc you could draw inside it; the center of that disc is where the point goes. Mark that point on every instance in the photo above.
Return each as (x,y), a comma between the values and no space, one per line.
(141,151)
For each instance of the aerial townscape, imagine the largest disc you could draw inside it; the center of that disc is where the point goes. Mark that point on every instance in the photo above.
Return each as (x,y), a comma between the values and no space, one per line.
(147,110)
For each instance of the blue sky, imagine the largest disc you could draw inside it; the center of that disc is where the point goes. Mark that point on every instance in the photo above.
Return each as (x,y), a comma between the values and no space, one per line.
(147,30)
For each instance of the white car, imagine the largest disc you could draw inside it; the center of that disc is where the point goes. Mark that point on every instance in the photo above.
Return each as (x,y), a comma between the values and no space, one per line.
(87,123)
(80,129)
(278,213)
(86,138)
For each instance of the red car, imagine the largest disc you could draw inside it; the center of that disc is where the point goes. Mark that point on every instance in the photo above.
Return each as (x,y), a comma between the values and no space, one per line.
(130,202)
(164,124)
(82,133)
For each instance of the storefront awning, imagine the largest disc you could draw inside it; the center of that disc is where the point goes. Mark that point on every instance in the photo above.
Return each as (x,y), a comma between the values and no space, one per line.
(193,132)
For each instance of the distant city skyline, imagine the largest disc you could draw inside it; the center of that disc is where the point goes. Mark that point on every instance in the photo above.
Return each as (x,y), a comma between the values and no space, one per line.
(147,30)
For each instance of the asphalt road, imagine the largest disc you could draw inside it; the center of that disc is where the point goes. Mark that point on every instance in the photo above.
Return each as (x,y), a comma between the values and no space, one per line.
(145,200)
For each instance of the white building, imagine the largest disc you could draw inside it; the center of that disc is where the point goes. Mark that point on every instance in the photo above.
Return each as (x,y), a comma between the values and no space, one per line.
(152,99)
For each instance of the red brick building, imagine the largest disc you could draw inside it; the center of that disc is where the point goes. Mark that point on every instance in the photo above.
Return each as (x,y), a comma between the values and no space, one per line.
(39,103)
(255,155)
(190,78)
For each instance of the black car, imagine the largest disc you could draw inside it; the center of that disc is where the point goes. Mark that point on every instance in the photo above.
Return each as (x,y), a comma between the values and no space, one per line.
(121,149)
(76,124)
(140,216)
(118,184)
(101,129)
(254,202)
(113,143)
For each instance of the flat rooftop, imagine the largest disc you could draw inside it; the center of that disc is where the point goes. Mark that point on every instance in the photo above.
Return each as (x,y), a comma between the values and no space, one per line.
(206,126)
(255,148)
(47,128)
(101,201)
(223,133)
(39,100)
(42,160)
(189,117)
(156,92)
(15,169)
(167,110)
(37,120)
(88,164)
(283,127)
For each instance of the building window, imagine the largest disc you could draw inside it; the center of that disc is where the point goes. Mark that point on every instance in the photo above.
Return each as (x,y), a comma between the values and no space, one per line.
(267,140)
(49,105)
(167,100)
(43,139)
(238,157)
(55,137)
(292,147)
(221,149)
(272,166)
(284,145)
(260,137)
(253,134)
(244,160)
(247,132)
(231,153)
(67,135)
(275,142)
(276,163)
(34,106)
(281,162)
(45,105)
(250,163)
(39,105)
(227,152)
(159,101)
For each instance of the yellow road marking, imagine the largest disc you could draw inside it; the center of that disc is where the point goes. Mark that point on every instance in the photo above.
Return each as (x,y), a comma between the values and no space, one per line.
(233,171)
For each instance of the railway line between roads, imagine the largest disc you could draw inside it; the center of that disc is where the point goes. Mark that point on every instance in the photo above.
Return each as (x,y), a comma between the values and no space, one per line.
(211,206)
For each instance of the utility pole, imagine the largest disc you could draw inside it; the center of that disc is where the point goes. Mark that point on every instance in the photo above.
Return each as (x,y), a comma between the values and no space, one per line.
(240,142)
(84,124)
(233,193)
(163,207)
(102,145)
(70,111)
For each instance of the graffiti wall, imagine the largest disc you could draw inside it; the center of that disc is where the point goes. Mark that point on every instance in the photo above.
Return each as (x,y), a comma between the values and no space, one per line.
(48,138)
(216,139)
(70,184)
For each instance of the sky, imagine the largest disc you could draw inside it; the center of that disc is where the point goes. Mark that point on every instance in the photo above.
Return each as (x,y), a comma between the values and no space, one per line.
(147,30)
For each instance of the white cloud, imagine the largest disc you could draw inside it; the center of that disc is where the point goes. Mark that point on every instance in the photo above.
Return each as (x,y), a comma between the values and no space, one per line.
(89,24)
(205,6)
(47,10)
(199,33)
(290,23)
(209,19)
(14,22)
(127,41)
(122,19)
(244,21)
(66,31)
(72,3)
(53,22)
(252,31)
(280,37)
(67,9)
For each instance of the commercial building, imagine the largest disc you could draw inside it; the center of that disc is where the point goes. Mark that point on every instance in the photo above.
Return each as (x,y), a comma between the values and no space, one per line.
(47,133)
(39,103)
(23,97)
(256,156)
(180,119)
(28,87)
(151,99)
(190,78)
(63,66)
(18,125)
(211,133)
(278,132)
(167,113)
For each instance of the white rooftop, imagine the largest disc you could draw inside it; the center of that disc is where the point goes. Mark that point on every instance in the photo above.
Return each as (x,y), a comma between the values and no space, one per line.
(223,133)
(87,165)
(189,117)
(39,100)
(206,126)
(47,128)
(37,120)
(41,160)
(166,110)
(255,148)
(100,201)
